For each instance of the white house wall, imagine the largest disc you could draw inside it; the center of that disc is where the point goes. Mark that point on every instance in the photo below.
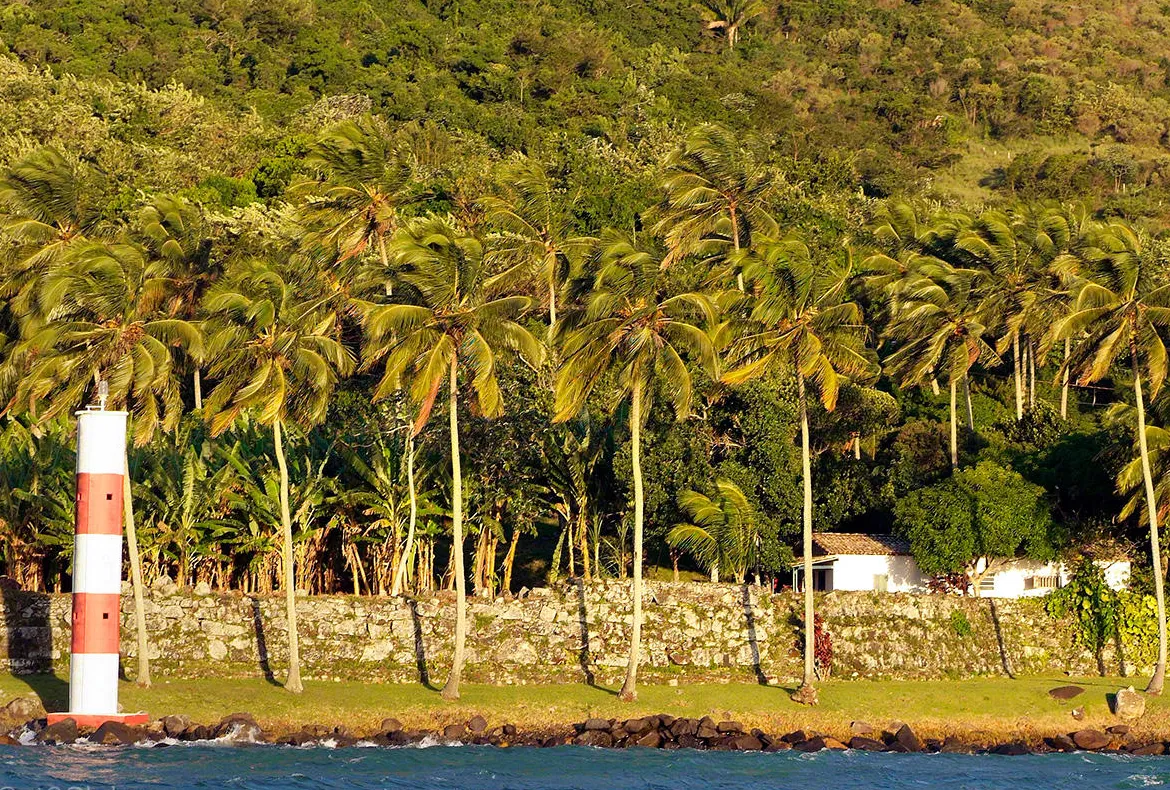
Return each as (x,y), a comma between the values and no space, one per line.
(860,572)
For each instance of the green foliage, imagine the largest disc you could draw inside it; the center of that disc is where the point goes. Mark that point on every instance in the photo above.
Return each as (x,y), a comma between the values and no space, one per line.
(984,512)
(960,624)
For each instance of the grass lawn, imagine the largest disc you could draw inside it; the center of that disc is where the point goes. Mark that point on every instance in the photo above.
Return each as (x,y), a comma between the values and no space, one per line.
(991,708)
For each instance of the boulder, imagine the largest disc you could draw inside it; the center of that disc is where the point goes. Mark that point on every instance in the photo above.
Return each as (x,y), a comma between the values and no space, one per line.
(239,728)
(834,745)
(64,731)
(174,725)
(1090,740)
(1060,743)
(1128,704)
(390,725)
(197,732)
(597,725)
(906,738)
(454,732)
(777,746)
(637,726)
(597,738)
(729,727)
(746,743)
(1078,713)
(1118,729)
(864,744)
(814,744)
(651,740)
(795,737)
(680,727)
(116,733)
(952,745)
(861,728)
(1149,750)
(688,741)
(1013,749)
(1065,693)
(477,725)
(22,709)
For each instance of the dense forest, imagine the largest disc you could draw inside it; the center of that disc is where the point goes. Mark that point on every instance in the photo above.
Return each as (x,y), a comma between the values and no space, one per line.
(374,276)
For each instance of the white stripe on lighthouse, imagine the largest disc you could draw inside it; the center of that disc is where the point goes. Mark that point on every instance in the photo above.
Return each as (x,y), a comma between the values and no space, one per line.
(93,683)
(97,564)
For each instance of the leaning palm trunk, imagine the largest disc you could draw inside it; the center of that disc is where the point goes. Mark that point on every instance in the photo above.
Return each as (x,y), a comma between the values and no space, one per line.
(293,683)
(143,678)
(1064,383)
(197,380)
(629,690)
(1159,678)
(1031,374)
(807,692)
(954,425)
(970,408)
(451,689)
(403,569)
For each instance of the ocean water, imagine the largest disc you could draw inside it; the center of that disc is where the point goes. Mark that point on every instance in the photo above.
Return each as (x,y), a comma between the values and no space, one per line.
(565,768)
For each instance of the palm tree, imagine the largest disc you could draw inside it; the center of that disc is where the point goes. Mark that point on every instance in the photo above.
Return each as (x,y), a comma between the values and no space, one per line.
(535,227)
(729,16)
(457,317)
(715,198)
(937,322)
(45,211)
(176,233)
(632,327)
(1123,309)
(275,351)
(723,532)
(801,324)
(358,186)
(107,326)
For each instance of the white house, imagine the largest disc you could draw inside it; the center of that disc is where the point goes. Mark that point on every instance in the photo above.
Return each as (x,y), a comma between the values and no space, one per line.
(882,563)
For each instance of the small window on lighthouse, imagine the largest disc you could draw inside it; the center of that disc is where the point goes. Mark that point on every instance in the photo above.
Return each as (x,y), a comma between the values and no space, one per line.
(109,497)
(105,615)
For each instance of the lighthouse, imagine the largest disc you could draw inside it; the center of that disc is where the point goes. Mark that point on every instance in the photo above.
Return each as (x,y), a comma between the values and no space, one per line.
(97,570)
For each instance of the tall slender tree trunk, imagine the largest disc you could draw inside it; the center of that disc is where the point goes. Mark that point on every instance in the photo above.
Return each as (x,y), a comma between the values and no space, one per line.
(451,689)
(954,425)
(510,560)
(143,677)
(1159,678)
(198,381)
(1017,375)
(552,297)
(403,569)
(967,396)
(629,690)
(1031,374)
(934,387)
(1064,382)
(582,527)
(385,263)
(293,683)
(735,243)
(807,692)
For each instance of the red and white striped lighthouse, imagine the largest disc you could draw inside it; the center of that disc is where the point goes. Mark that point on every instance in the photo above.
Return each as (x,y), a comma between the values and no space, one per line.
(97,570)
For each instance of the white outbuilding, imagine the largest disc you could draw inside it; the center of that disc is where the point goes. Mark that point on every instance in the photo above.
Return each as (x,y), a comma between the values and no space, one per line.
(883,563)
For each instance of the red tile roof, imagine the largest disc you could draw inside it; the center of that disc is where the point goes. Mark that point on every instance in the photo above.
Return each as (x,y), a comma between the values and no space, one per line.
(825,543)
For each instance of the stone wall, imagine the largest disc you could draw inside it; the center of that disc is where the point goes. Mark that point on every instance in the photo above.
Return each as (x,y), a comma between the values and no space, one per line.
(569,634)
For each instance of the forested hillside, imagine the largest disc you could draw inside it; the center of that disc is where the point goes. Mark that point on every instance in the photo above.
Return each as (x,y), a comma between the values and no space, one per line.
(986,100)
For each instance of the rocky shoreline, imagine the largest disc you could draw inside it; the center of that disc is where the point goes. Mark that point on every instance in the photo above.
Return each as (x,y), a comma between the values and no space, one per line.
(651,732)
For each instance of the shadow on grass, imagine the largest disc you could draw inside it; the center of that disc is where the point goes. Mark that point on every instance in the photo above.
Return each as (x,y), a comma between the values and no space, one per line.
(420,649)
(30,647)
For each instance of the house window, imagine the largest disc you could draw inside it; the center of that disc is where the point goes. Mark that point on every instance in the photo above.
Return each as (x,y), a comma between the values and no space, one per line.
(1041,582)
(987,583)
(881,582)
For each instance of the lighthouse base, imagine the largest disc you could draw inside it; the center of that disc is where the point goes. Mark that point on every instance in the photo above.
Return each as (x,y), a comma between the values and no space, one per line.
(95,720)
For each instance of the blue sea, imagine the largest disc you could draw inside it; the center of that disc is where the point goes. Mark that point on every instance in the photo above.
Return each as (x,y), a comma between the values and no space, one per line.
(565,768)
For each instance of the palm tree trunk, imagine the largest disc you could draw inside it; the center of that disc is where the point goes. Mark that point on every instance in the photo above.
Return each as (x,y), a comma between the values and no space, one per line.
(735,243)
(510,560)
(293,683)
(629,690)
(451,689)
(954,426)
(934,387)
(1159,678)
(143,677)
(970,408)
(807,693)
(1016,373)
(1064,382)
(403,569)
(198,380)
(552,299)
(385,263)
(584,541)
(1031,374)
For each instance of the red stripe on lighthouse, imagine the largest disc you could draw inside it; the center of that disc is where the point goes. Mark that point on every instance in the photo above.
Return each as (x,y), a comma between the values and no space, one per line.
(99,504)
(95,623)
